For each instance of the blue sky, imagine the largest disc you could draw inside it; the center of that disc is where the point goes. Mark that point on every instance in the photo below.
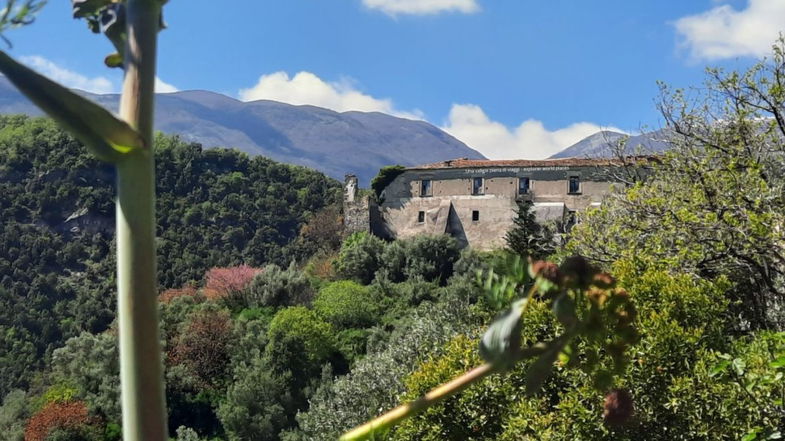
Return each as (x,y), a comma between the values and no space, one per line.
(511,78)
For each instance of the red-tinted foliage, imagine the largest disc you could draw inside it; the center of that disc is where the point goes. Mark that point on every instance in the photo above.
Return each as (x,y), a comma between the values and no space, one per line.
(223,281)
(203,347)
(171,294)
(57,415)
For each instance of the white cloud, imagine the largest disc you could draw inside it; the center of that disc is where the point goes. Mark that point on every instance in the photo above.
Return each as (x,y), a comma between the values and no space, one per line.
(75,80)
(530,140)
(724,32)
(423,7)
(307,88)
(162,87)
(67,77)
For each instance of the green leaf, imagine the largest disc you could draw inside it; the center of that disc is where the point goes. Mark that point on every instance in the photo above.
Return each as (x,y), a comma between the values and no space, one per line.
(541,369)
(778,363)
(501,343)
(719,368)
(738,366)
(114,60)
(104,134)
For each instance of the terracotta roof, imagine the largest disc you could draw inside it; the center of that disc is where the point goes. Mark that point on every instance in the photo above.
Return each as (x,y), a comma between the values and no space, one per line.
(566,162)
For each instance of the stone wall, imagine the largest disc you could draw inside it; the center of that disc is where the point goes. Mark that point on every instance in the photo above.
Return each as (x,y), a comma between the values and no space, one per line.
(356,208)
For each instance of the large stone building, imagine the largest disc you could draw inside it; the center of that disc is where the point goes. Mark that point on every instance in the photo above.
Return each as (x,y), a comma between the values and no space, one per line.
(476,201)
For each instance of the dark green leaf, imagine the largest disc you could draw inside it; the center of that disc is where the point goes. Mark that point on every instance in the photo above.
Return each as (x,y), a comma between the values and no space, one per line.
(104,134)
(719,368)
(541,369)
(501,343)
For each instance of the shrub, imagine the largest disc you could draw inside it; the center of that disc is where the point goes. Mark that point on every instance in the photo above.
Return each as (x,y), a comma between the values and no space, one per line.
(13,415)
(256,404)
(360,257)
(222,282)
(203,347)
(298,333)
(89,364)
(431,258)
(173,293)
(678,391)
(67,418)
(277,287)
(376,381)
(385,176)
(346,304)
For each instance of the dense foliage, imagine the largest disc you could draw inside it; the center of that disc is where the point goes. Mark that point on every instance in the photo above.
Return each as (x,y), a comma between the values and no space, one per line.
(215,208)
(293,349)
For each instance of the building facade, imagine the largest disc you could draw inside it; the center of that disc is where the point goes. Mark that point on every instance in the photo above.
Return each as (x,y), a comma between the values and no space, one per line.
(476,201)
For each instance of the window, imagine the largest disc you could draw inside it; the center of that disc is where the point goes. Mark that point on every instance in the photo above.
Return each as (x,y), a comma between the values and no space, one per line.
(575,185)
(475,216)
(420,217)
(523,185)
(477,186)
(425,188)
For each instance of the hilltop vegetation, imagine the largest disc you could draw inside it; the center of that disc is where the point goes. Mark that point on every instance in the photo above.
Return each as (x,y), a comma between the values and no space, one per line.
(315,332)
(215,208)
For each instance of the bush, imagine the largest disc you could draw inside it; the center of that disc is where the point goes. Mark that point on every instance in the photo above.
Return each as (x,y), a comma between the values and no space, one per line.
(376,381)
(298,338)
(13,415)
(62,421)
(203,347)
(277,287)
(360,257)
(678,391)
(431,258)
(256,404)
(385,176)
(223,282)
(346,304)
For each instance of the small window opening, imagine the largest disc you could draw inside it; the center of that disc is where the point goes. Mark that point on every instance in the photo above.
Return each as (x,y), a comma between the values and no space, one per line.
(420,216)
(523,185)
(477,186)
(475,215)
(575,184)
(425,188)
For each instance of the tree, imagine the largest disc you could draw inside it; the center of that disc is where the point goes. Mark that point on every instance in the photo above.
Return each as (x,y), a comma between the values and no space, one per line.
(385,176)
(527,237)
(127,143)
(714,203)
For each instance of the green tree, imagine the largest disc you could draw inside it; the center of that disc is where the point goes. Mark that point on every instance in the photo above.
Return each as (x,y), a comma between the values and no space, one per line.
(713,204)
(527,237)
(346,304)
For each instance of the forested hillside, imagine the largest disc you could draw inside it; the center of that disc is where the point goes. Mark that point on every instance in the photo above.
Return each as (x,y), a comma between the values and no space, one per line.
(276,327)
(215,208)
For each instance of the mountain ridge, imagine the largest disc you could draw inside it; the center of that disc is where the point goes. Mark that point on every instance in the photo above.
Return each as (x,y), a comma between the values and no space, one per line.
(336,143)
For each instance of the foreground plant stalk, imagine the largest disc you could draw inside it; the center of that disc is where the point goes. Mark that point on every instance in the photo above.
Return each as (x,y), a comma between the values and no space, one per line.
(140,352)
(393,417)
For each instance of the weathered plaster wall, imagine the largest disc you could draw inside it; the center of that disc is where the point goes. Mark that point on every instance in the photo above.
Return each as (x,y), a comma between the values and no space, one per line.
(451,192)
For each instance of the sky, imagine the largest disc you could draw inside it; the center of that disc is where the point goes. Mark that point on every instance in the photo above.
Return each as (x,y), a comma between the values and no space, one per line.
(510,78)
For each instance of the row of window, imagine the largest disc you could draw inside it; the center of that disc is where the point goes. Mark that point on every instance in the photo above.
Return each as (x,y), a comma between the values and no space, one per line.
(421,216)
(478,186)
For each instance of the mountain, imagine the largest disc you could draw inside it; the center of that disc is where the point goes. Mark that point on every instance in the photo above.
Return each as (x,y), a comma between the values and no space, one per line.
(335,143)
(601,145)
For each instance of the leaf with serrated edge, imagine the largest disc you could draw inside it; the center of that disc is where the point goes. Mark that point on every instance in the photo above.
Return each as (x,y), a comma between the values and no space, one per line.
(107,136)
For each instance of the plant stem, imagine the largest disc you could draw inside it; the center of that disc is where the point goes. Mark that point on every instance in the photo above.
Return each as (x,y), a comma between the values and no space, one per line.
(403,411)
(140,353)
